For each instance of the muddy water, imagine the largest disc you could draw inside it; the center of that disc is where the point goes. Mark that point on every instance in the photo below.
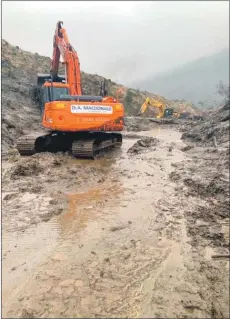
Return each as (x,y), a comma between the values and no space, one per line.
(120,247)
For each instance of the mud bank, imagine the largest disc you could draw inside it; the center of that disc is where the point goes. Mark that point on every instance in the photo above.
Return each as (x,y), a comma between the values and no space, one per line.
(127,235)
(141,123)
(213,132)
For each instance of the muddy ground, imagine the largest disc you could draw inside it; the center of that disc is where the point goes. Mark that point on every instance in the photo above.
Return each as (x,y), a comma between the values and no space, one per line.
(131,234)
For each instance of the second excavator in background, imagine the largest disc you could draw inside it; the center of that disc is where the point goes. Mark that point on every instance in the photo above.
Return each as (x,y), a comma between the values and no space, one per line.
(163,111)
(82,124)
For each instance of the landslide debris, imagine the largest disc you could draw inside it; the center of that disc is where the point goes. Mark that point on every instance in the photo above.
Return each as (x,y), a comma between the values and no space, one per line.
(206,177)
(212,132)
(133,124)
(141,123)
(25,168)
(143,145)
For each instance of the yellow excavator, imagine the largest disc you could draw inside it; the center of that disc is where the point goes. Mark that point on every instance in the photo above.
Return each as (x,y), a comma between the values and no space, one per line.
(163,111)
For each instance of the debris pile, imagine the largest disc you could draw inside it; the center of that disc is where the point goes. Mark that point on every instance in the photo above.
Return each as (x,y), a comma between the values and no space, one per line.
(143,145)
(212,132)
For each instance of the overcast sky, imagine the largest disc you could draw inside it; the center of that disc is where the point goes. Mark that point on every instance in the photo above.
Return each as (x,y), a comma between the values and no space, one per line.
(124,41)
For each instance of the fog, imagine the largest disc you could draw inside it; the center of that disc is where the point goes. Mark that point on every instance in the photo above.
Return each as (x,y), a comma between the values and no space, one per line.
(123,41)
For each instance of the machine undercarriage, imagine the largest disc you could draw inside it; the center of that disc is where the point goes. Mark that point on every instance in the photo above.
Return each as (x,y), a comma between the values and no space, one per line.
(79,144)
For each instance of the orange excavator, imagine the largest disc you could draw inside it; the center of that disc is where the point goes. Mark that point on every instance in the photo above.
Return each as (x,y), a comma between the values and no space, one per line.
(85,125)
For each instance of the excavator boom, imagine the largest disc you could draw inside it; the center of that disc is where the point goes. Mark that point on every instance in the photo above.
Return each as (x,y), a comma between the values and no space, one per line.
(63,48)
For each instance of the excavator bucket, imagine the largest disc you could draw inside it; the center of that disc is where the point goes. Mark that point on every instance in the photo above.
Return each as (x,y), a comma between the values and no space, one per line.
(42,78)
(144,107)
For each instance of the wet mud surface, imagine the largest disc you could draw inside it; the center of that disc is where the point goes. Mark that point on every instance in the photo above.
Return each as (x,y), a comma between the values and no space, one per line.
(128,235)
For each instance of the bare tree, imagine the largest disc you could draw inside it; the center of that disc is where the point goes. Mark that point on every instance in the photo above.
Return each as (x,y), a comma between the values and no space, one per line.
(223,90)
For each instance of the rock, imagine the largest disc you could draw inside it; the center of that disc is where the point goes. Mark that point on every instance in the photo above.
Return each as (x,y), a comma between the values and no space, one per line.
(143,145)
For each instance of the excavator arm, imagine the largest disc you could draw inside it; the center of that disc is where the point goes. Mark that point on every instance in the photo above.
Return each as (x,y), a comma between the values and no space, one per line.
(145,105)
(154,103)
(63,48)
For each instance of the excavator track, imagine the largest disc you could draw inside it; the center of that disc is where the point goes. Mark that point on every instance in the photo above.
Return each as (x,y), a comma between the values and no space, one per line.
(26,145)
(81,146)
(92,148)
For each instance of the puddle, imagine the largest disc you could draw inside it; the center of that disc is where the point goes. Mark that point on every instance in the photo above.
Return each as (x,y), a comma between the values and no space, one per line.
(86,206)
(164,134)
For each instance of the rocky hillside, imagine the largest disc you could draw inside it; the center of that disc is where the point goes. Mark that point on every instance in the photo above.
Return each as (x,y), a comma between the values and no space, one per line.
(19,114)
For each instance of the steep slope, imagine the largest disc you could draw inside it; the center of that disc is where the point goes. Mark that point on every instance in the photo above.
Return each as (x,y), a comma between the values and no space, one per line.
(19,114)
(195,81)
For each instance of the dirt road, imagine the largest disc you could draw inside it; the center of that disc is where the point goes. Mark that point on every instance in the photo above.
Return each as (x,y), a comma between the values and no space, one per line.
(122,236)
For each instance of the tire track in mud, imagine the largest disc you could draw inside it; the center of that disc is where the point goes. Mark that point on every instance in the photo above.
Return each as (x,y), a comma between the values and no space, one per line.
(132,257)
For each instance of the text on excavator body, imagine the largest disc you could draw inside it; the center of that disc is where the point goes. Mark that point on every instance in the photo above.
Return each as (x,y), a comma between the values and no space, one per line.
(99,109)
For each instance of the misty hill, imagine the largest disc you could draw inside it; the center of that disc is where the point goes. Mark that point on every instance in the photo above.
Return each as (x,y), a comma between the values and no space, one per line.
(19,74)
(195,81)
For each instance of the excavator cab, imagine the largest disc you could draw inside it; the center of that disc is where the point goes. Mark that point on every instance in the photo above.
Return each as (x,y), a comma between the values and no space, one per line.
(48,90)
(168,112)
(42,78)
(53,91)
